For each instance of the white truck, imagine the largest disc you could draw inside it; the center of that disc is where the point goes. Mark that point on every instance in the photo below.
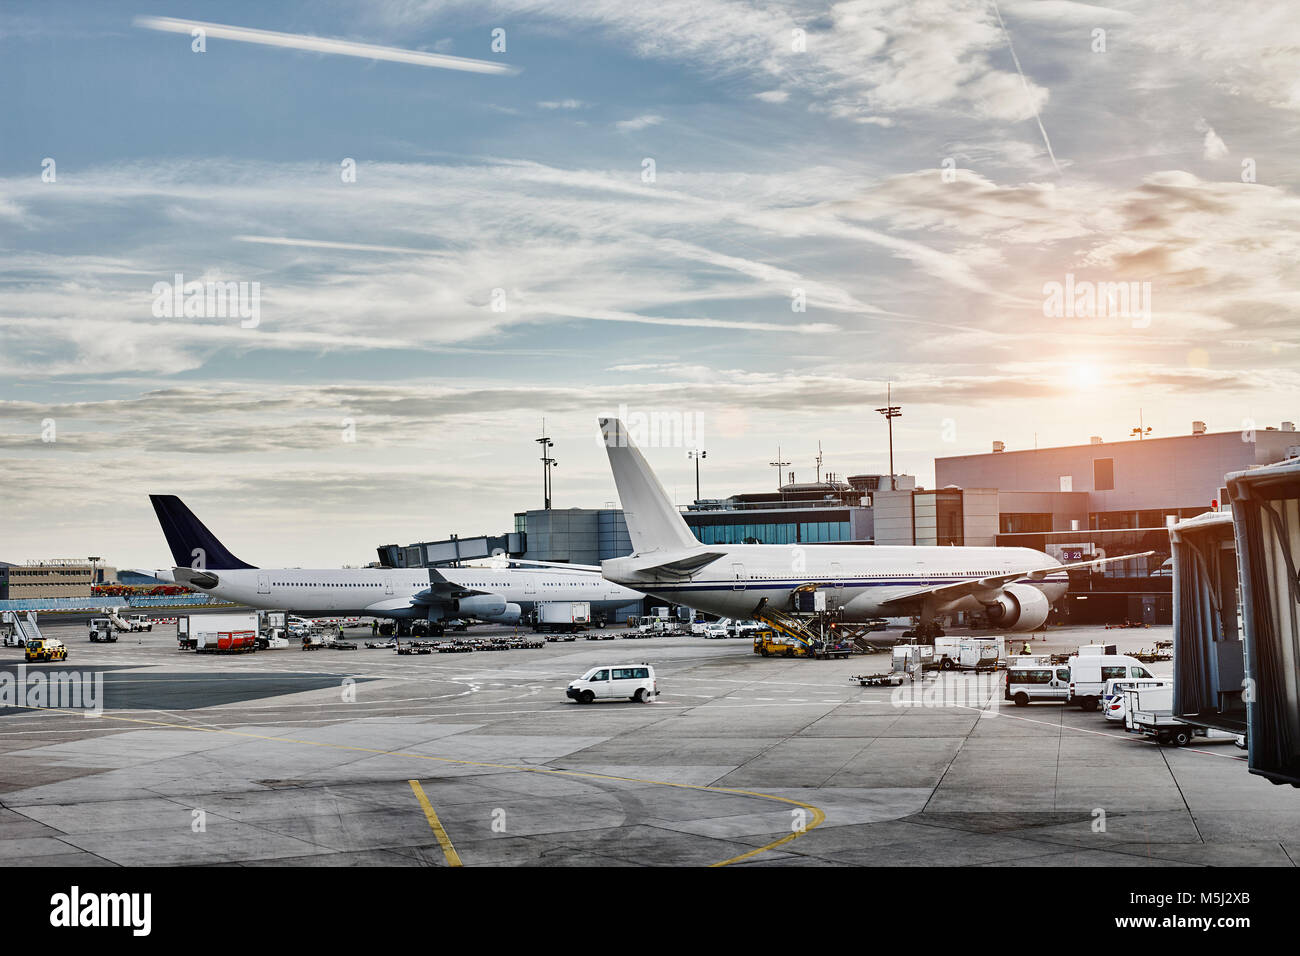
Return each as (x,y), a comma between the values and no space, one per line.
(101,629)
(966,653)
(132,624)
(979,653)
(563,617)
(1089,672)
(1149,711)
(224,633)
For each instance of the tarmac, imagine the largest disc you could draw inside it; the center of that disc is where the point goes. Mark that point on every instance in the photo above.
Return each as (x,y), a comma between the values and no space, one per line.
(338,758)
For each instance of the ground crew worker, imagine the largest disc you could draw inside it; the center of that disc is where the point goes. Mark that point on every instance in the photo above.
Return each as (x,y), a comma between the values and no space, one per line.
(1026,650)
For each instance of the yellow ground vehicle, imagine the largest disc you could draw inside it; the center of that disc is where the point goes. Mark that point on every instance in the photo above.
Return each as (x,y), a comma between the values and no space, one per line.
(46,649)
(771,644)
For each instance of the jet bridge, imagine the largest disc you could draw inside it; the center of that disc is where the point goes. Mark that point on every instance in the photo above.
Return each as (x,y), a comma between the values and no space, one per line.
(1266,507)
(1209,661)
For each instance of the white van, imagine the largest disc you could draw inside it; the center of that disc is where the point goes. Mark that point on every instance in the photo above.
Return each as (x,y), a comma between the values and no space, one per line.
(1113,705)
(1090,672)
(620,682)
(1028,683)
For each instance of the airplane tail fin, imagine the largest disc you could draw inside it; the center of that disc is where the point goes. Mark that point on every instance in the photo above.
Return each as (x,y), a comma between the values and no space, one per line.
(192,544)
(652,522)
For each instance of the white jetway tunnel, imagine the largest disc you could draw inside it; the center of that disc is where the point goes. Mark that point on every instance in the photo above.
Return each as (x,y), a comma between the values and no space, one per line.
(1209,659)
(1266,508)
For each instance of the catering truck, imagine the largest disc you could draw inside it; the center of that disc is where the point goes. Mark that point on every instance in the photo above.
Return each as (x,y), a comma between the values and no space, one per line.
(230,633)
(562,616)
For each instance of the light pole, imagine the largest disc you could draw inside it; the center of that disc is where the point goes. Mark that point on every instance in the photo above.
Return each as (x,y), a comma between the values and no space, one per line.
(547,464)
(93,559)
(1140,431)
(778,465)
(697,454)
(891,411)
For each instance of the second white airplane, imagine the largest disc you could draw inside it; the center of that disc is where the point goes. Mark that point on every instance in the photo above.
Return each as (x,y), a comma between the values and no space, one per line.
(435,595)
(1015,587)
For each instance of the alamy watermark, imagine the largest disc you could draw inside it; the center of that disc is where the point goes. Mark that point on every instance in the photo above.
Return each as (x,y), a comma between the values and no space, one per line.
(63,690)
(1098,300)
(982,691)
(208,300)
(655,428)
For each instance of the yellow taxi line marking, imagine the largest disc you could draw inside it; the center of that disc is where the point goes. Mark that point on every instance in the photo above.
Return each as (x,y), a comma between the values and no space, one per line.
(444,841)
(818,815)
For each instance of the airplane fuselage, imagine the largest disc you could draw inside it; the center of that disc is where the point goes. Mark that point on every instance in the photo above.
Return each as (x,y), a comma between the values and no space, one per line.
(856,579)
(391,592)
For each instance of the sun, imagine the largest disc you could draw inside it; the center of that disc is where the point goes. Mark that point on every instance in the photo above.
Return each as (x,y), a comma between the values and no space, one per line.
(1085,375)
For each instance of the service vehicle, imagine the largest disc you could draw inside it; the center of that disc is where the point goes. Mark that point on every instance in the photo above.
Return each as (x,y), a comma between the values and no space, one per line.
(1113,706)
(769,643)
(618,682)
(1150,711)
(979,653)
(1027,683)
(562,617)
(1089,672)
(229,633)
(101,629)
(45,649)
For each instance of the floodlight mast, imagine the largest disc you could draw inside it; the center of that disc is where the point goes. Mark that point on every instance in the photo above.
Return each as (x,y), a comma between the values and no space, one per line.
(891,411)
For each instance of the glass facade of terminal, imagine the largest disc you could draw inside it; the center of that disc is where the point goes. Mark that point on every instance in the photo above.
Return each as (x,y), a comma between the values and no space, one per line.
(774,532)
(1138,591)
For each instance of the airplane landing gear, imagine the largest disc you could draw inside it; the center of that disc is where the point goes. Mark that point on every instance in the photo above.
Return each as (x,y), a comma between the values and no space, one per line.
(926,630)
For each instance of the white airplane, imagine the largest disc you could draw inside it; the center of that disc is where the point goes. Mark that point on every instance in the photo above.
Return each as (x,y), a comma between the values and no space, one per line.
(499,595)
(1015,587)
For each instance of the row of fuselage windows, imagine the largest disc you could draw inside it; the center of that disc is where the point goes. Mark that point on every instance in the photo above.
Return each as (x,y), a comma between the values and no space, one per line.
(463,584)
(892,574)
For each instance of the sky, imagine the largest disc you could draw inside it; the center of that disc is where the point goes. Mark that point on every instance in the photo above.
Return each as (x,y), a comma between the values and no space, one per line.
(748,217)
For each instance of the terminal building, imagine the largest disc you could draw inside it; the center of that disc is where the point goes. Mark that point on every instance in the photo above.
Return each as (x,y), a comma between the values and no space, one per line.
(55,578)
(1084,501)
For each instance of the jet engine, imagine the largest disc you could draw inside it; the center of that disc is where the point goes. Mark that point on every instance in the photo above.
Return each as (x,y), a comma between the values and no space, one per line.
(510,615)
(1018,608)
(484,606)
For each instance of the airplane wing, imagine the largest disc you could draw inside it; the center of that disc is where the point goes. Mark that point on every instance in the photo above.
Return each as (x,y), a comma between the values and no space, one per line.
(951,592)
(440,590)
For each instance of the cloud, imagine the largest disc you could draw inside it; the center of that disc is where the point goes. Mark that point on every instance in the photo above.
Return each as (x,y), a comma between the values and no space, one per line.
(1213,146)
(564,104)
(639,122)
(886,56)
(772,96)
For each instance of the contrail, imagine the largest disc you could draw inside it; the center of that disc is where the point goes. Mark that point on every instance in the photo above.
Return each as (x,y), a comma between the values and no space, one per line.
(1025,83)
(299,41)
(330,244)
